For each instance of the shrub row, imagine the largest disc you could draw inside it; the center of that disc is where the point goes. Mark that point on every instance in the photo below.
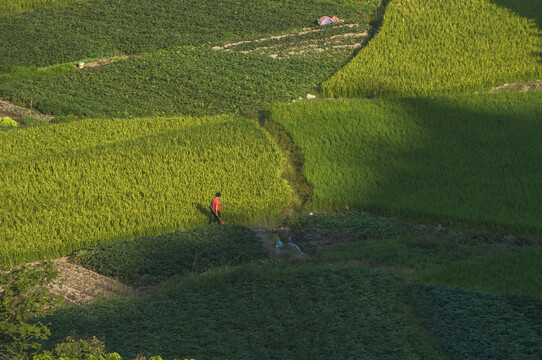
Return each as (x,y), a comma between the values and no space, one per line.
(261,312)
(151,259)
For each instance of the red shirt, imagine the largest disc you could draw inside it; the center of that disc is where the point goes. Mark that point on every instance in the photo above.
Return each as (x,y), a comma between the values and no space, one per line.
(215,204)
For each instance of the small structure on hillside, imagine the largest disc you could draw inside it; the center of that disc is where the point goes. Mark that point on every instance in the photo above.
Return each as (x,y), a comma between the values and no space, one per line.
(325,20)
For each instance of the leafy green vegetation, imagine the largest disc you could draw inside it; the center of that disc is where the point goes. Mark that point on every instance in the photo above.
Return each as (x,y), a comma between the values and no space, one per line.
(13,6)
(492,263)
(7,122)
(464,160)
(126,188)
(67,186)
(431,46)
(102,28)
(433,255)
(25,296)
(311,312)
(262,312)
(518,272)
(20,73)
(352,221)
(158,258)
(478,326)
(193,81)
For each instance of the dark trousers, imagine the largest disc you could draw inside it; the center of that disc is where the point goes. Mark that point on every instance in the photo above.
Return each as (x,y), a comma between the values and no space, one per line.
(216,218)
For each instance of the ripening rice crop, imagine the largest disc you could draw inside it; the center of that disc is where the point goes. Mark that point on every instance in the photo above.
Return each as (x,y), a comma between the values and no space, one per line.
(66,186)
(471,159)
(433,46)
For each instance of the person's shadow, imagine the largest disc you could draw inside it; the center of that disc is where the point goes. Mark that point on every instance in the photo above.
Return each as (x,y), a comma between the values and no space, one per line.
(205,211)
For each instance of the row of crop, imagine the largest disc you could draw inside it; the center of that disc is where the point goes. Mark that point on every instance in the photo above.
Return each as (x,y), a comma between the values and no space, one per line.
(154,259)
(464,159)
(520,273)
(431,46)
(196,81)
(102,28)
(261,312)
(11,6)
(63,200)
(46,141)
(267,312)
(490,263)
(508,326)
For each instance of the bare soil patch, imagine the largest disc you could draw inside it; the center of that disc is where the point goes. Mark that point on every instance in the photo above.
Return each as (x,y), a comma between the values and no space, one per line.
(16,112)
(81,286)
(310,240)
(106,61)
(291,45)
(526,86)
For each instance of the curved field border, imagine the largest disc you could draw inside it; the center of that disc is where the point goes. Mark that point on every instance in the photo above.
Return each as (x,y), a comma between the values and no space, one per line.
(430,46)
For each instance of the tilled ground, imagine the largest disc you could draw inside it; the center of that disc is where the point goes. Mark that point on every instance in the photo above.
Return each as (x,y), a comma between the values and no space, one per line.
(16,112)
(303,42)
(81,286)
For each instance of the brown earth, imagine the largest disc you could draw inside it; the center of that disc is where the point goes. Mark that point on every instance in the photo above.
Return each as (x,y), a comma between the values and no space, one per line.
(309,240)
(298,48)
(16,112)
(526,86)
(81,286)
(106,61)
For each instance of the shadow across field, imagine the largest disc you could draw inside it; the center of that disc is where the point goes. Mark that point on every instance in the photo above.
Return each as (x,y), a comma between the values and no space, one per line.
(470,160)
(530,9)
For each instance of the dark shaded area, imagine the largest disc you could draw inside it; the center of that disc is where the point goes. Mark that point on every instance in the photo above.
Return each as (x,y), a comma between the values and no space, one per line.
(155,259)
(260,312)
(378,17)
(470,161)
(472,325)
(205,211)
(293,169)
(466,166)
(530,9)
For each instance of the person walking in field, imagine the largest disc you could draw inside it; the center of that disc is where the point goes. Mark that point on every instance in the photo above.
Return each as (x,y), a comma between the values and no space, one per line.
(215,208)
